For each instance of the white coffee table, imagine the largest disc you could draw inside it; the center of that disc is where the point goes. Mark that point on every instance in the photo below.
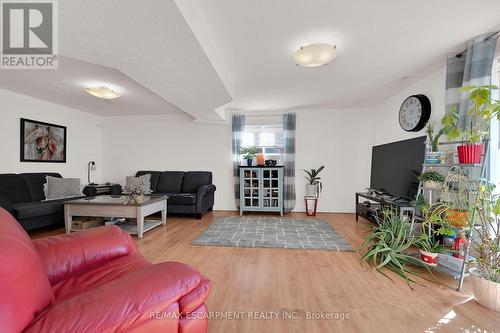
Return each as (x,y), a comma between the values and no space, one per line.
(117,206)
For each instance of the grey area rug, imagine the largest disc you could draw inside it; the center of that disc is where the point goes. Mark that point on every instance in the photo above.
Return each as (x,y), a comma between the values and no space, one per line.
(273,232)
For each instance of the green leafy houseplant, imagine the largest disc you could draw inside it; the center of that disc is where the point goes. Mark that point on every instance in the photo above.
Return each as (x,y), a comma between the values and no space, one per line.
(248,152)
(434,137)
(431,176)
(484,245)
(481,112)
(419,204)
(312,177)
(386,247)
(425,243)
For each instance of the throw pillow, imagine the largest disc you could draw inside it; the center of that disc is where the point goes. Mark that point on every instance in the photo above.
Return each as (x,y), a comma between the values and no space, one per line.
(140,184)
(61,188)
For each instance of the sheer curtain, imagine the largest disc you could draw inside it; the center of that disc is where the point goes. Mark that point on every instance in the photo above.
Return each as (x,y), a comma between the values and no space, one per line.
(289,120)
(471,67)
(238,127)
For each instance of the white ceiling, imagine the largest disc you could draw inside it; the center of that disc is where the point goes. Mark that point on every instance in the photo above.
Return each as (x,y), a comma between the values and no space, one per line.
(201,56)
(383,46)
(66,86)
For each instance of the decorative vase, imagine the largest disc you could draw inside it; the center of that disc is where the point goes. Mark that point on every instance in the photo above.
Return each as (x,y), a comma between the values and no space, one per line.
(485,292)
(249,161)
(311,190)
(429,258)
(138,198)
(469,154)
(261,159)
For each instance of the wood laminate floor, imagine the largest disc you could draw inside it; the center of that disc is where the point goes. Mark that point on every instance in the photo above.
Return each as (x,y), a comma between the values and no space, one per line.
(270,284)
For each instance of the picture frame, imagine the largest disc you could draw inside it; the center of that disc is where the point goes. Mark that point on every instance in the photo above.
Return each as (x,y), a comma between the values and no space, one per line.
(42,142)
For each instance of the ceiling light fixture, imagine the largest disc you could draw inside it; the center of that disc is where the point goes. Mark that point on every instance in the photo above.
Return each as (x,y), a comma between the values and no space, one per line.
(103,92)
(315,55)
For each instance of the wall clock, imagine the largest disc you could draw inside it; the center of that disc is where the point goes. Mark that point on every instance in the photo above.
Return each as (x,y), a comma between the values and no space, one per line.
(414,113)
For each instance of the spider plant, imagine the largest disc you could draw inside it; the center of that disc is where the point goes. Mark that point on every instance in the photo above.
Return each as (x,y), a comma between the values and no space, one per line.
(386,248)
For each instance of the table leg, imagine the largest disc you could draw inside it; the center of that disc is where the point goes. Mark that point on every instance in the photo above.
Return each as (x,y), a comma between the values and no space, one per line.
(68,219)
(164,214)
(140,222)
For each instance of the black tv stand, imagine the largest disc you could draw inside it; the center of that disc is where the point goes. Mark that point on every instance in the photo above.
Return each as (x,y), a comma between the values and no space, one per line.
(377,203)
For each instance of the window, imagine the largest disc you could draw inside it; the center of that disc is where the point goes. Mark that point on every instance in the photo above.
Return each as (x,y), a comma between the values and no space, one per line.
(268,139)
(495,131)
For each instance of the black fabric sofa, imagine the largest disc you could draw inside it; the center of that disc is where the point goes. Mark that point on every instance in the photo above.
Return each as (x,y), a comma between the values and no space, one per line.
(190,192)
(22,195)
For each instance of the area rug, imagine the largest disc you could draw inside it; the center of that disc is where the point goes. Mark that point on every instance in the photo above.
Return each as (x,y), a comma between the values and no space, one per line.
(273,232)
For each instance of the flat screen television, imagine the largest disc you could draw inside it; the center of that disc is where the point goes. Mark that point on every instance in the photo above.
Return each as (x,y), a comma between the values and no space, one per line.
(395,166)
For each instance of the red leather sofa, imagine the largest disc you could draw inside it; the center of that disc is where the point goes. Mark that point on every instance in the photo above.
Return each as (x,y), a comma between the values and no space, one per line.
(93,281)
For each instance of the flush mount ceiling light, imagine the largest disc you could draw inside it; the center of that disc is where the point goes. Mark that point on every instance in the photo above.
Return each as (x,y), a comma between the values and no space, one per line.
(103,92)
(315,55)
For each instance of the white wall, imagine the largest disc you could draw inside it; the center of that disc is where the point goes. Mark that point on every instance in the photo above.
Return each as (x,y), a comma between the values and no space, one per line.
(339,139)
(170,142)
(83,136)
(386,126)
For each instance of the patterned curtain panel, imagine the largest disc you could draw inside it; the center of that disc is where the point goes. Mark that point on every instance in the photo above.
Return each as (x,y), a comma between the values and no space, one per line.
(472,67)
(289,161)
(238,126)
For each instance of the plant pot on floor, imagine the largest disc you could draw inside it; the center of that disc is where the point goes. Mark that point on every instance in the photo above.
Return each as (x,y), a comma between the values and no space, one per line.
(311,190)
(469,154)
(486,292)
(429,258)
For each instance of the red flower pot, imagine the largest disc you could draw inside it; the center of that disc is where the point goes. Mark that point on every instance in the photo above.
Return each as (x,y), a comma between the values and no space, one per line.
(470,154)
(429,258)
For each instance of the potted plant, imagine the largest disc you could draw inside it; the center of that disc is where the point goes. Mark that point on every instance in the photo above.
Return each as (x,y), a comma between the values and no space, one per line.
(481,112)
(429,249)
(314,186)
(387,245)
(484,245)
(419,204)
(457,197)
(432,179)
(249,154)
(432,156)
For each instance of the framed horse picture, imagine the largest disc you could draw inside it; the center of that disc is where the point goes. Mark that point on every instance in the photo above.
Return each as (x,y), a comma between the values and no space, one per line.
(42,142)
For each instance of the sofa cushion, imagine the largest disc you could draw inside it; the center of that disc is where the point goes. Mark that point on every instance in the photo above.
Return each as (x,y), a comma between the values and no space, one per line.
(140,184)
(181,198)
(28,210)
(35,183)
(194,179)
(170,182)
(155,175)
(61,188)
(14,188)
(25,289)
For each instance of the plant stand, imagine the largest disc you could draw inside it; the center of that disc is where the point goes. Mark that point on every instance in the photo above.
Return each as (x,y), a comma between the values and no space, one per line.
(311,205)
(475,172)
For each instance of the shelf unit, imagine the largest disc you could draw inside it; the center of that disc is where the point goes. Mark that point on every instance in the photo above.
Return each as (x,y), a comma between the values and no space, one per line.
(261,189)
(475,172)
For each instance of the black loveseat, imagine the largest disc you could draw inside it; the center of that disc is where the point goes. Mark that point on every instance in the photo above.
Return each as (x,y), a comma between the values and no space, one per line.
(190,192)
(22,195)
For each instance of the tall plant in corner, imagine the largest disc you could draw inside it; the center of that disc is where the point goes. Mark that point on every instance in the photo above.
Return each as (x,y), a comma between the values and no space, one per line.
(314,185)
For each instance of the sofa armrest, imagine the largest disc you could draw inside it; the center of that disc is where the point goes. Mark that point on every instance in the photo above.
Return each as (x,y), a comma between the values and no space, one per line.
(146,298)
(69,254)
(6,204)
(205,189)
